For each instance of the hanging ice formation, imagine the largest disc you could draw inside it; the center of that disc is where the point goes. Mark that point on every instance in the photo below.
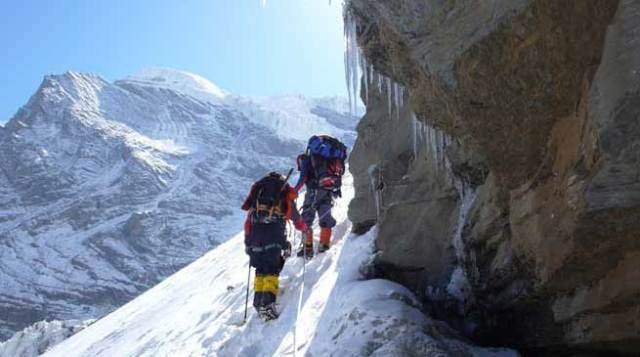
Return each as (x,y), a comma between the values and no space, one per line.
(367,75)
(375,179)
(425,136)
(467,197)
(459,285)
(386,86)
(417,132)
(398,94)
(356,64)
(434,141)
(351,57)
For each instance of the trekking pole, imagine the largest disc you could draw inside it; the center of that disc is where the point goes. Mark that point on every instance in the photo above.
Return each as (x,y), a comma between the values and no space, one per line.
(293,244)
(304,270)
(246,300)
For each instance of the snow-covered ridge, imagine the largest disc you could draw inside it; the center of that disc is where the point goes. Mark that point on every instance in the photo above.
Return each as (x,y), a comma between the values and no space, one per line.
(198,311)
(181,81)
(107,188)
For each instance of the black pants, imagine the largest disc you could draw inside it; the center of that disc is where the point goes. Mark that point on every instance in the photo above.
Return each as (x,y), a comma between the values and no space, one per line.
(320,202)
(267,240)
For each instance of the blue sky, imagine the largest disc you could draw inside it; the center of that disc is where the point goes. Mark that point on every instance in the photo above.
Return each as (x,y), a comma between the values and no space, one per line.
(291,46)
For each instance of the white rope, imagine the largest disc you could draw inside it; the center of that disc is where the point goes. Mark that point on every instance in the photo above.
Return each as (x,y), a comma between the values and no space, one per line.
(295,325)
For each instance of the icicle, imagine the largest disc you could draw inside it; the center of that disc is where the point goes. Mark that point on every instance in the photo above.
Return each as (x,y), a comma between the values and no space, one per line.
(395,99)
(429,143)
(416,129)
(437,146)
(443,147)
(347,77)
(370,73)
(375,182)
(365,70)
(351,57)
(387,82)
(436,142)
(427,136)
(467,197)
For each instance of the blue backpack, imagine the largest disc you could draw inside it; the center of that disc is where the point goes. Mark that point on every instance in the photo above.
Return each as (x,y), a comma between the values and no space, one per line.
(327,156)
(327,147)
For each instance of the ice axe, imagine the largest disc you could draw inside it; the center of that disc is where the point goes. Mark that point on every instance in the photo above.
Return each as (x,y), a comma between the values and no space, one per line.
(286,179)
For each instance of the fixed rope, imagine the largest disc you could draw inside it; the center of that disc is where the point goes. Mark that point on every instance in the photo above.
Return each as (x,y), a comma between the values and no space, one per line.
(295,325)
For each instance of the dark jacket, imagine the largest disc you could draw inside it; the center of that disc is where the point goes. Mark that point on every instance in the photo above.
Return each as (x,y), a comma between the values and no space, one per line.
(258,233)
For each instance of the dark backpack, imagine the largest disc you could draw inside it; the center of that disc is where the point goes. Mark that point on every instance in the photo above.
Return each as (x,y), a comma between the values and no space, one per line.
(266,195)
(328,155)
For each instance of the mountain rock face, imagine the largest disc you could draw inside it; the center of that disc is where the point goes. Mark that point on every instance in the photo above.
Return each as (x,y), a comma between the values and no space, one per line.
(507,185)
(107,188)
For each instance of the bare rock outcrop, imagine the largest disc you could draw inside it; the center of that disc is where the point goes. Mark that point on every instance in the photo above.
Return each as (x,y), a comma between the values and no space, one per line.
(507,186)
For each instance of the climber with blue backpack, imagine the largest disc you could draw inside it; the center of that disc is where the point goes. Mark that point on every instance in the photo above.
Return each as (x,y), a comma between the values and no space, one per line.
(321,168)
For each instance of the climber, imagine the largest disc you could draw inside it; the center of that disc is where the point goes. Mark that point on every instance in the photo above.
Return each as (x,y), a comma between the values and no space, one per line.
(269,205)
(321,168)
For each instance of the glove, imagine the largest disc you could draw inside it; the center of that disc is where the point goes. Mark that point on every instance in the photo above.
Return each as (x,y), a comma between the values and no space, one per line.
(327,182)
(286,253)
(301,226)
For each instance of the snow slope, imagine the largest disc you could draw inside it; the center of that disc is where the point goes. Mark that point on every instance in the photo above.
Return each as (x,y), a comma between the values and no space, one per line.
(108,188)
(198,311)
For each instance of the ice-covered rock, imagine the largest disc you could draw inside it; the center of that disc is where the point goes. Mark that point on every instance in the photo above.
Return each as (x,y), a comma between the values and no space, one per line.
(36,339)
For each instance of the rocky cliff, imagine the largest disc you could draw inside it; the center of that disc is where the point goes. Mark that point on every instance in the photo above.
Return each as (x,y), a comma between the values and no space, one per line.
(505,180)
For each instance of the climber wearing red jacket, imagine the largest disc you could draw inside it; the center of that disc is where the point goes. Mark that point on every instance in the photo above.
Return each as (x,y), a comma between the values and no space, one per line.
(269,205)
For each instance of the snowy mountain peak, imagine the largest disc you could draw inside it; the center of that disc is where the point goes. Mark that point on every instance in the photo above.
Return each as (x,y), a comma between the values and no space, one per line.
(73,79)
(180,81)
(79,87)
(108,188)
